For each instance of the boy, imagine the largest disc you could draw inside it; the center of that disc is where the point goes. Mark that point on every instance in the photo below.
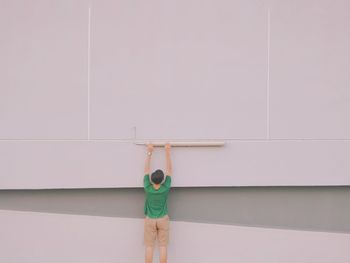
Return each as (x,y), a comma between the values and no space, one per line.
(156,223)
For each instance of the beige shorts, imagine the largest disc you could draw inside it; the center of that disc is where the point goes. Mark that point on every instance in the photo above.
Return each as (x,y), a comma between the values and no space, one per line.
(156,228)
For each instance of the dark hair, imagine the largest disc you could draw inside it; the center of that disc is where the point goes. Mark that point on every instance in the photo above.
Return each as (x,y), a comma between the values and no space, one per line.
(157,176)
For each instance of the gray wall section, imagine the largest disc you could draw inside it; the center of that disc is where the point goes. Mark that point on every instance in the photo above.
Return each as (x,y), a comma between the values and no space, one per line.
(321,208)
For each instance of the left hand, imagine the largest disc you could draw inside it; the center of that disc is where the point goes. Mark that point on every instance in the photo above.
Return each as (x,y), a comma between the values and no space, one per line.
(150,147)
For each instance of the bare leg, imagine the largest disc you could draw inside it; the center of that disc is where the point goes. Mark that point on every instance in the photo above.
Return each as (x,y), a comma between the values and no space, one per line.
(149,254)
(163,253)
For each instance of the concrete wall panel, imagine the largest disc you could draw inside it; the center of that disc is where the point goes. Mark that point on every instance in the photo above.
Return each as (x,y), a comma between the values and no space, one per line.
(41,237)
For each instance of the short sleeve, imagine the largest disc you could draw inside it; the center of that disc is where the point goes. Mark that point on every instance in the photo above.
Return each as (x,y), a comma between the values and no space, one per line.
(146,181)
(167,182)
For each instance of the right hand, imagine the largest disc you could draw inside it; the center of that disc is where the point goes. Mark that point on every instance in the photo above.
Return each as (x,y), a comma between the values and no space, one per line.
(167,146)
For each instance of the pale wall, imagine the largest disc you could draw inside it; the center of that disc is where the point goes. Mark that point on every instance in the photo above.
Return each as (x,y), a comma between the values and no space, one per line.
(268,77)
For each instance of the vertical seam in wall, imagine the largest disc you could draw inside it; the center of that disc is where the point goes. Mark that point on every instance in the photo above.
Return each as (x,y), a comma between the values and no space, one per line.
(268,77)
(88,68)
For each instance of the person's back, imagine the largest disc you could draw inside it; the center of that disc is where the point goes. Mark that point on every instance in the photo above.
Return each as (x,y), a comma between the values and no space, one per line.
(156,200)
(156,224)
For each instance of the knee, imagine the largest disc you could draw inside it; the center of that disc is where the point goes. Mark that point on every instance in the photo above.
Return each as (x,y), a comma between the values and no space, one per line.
(149,247)
(162,248)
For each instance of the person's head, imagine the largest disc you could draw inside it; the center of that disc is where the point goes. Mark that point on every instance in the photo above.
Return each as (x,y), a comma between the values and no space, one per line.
(157,176)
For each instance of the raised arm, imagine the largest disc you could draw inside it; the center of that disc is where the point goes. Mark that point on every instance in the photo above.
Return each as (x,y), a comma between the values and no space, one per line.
(169,169)
(148,159)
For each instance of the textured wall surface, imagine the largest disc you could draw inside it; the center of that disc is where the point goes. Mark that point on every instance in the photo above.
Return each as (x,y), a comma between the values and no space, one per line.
(299,208)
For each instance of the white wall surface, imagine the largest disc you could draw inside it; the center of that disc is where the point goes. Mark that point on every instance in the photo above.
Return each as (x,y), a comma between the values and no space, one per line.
(309,69)
(44,237)
(81,164)
(179,69)
(43,69)
(271,78)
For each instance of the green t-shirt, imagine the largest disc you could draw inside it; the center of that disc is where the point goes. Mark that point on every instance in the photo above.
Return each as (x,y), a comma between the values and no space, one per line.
(156,199)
